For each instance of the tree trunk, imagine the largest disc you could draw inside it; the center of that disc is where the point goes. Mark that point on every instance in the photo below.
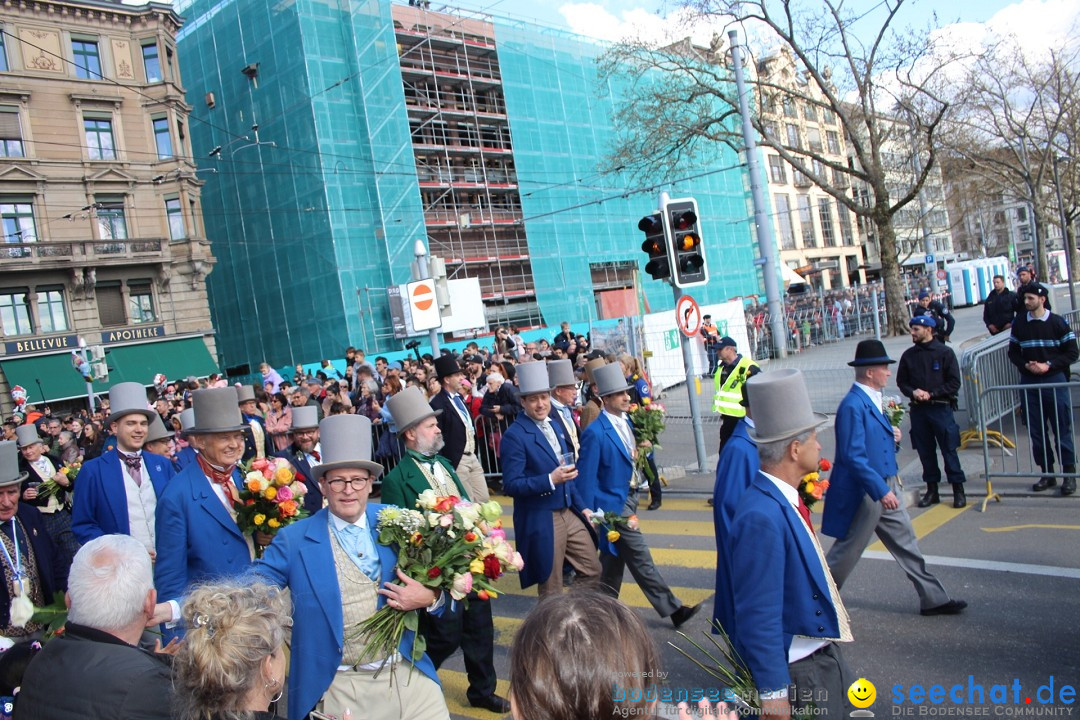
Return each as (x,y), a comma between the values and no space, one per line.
(895,307)
(1039,237)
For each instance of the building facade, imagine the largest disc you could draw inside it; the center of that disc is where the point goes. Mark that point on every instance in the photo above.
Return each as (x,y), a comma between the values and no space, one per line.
(99,199)
(380,124)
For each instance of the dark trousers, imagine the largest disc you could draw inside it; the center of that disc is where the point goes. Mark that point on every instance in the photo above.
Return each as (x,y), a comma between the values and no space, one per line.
(821,682)
(713,351)
(1049,410)
(933,426)
(655,493)
(727,426)
(58,525)
(474,632)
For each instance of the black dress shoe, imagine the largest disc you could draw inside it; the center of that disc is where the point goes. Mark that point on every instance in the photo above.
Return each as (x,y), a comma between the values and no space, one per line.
(953,607)
(959,499)
(683,614)
(494,703)
(1044,483)
(1068,486)
(654,505)
(931,497)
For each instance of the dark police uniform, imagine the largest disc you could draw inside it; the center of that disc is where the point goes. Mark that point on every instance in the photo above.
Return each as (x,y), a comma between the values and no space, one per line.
(943,320)
(932,366)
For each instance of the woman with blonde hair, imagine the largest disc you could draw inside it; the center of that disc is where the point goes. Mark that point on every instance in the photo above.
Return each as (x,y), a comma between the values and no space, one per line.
(231,665)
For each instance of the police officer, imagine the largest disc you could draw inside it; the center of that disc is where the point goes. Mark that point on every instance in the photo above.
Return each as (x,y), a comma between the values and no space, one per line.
(735,369)
(929,376)
(944,322)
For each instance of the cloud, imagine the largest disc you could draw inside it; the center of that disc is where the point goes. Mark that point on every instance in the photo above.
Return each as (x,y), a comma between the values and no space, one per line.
(596,21)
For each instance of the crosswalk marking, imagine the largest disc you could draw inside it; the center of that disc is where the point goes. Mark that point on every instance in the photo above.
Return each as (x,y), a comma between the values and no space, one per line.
(454,685)
(631,594)
(927,522)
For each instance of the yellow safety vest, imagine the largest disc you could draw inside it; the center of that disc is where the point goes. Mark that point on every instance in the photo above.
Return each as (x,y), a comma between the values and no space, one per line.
(728,397)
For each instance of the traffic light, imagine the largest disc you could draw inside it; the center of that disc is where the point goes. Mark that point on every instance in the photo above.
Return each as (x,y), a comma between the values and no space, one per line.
(655,246)
(687,253)
(99,367)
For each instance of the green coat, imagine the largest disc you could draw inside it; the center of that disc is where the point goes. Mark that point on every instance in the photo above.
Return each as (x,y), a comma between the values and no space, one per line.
(402,485)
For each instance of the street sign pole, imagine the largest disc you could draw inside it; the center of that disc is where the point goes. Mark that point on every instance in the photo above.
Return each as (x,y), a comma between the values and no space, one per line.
(422,271)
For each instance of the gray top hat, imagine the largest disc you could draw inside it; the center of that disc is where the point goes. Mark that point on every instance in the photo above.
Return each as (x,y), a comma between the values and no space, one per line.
(780,405)
(9,463)
(346,443)
(244,393)
(409,407)
(157,430)
(609,380)
(126,398)
(187,420)
(591,366)
(305,417)
(216,410)
(561,372)
(532,378)
(27,435)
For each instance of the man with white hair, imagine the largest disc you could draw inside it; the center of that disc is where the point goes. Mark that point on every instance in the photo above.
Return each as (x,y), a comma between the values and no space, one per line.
(110,599)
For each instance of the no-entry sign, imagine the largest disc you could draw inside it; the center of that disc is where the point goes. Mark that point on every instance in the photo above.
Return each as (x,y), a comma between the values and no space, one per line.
(424,309)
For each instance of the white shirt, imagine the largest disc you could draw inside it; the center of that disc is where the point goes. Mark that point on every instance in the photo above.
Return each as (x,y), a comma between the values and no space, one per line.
(622,426)
(874,395)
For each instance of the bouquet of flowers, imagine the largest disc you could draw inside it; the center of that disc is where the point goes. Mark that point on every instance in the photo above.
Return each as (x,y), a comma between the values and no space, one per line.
(611,521)
(813,485)
(446,544)
(648,422)
(895,410)
(50,487)
(269,498)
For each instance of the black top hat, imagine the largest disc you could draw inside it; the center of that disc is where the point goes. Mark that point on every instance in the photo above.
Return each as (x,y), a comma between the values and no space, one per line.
(870,352)
(445,366)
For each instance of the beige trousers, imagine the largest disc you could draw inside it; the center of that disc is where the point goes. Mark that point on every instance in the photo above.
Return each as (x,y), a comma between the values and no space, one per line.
(400,693)
(471,474)
(574,543)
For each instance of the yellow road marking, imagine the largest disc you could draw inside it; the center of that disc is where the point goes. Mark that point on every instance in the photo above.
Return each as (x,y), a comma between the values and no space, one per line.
(505,628)
(631,594)
(928,522)
(454,685)
(1013,528)
(670,503)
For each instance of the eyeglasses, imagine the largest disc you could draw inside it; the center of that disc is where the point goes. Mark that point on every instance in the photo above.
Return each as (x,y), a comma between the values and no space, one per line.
(338,484)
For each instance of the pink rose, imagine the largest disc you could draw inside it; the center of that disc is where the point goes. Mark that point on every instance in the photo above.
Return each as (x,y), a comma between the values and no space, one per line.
(517,561)
(284,494)
(497,533)
(260,464)
(462,586)
(446,520)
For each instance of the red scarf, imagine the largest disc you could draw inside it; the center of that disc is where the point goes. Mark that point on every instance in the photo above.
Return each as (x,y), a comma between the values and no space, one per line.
(224,479)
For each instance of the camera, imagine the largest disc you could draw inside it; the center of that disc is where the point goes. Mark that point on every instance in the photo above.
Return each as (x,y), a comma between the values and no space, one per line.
(412,345)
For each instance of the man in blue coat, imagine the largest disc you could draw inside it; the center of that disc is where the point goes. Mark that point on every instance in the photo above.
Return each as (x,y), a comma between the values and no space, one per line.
(338,575)
(789,617)
(537,457)
(117,492)
(305,453)
(862,490)
(609,482)
(197,535)
(186,455)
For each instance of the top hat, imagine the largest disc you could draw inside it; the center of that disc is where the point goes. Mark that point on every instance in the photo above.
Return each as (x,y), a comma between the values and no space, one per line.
(780,406)
(244,393)
(27,435)
(216,411)
(533,378)
(305,417)
(9,463)
(609,380)
(346,443)
(445,366)
(126,398)
(409,407)
(157,430)
(869,352)
(591,366)
(560,373)
(187,420)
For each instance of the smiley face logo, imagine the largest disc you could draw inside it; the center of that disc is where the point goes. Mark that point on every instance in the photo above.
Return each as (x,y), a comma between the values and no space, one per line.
(862,693)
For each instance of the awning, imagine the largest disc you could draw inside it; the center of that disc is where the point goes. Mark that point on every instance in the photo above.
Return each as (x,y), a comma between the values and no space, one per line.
(128,363)
(790,276)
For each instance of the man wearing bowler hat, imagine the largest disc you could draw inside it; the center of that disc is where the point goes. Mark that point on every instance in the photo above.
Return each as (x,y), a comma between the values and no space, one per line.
(117,492)
(257,441)
(458,432)
(789,617)
(197,535)
(339,575)
(305,453)
(422,468)
(608,481)
(538,461)
(862,490)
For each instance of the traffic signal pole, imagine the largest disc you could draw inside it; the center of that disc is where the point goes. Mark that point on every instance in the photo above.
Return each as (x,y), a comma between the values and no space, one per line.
(422,271)
(691,385)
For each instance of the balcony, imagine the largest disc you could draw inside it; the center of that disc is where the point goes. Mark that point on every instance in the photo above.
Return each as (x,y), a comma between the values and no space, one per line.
(78,253)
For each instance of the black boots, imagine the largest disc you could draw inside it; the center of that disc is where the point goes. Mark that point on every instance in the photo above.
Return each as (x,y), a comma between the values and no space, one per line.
(1068,485)
(959,499)
(931,496)
(1046,481)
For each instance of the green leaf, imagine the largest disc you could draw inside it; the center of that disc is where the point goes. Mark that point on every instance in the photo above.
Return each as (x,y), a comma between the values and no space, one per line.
(412,621)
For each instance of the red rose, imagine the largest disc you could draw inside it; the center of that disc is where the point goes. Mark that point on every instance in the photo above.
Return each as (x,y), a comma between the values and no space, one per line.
(434,572)
(250,501)
(824,465)
(470,537)
(492,567)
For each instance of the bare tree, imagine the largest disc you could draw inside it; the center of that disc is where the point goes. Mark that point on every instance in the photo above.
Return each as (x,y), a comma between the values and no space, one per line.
(872,77)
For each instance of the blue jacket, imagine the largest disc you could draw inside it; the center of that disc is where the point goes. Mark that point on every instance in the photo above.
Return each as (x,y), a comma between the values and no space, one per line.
(100,503)
(301,558)
(736,469)
(781,589)
(526,459)
(197,539)
(185,456)
(604,470)
(865,456)
(313,499)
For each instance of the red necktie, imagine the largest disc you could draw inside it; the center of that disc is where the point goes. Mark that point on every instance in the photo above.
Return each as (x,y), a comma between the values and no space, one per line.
(315,454)
(224,479)
(804,511)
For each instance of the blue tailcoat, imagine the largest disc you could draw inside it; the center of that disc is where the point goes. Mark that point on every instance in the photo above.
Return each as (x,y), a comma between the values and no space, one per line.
(604,470)
(736,469)
(100,503)
(185,456)
(301,558)
(865,456)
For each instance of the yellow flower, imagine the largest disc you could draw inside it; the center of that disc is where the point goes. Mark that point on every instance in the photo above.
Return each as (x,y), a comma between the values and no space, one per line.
(274,523)
(613,536)
(270,493)
(646,401)
(810,487)
(283,476)
(476,566)
(259,519)
(64,470)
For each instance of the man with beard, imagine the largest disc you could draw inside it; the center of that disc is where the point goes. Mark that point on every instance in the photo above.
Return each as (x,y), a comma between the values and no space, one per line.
(304,454)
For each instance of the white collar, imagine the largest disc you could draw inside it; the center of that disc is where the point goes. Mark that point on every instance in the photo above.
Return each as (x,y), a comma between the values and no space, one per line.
(872,393)
(1044,318)
(749,421)
(790,494)
(614,419)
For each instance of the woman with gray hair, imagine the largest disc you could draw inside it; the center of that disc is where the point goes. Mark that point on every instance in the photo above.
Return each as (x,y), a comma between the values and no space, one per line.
(232,663)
